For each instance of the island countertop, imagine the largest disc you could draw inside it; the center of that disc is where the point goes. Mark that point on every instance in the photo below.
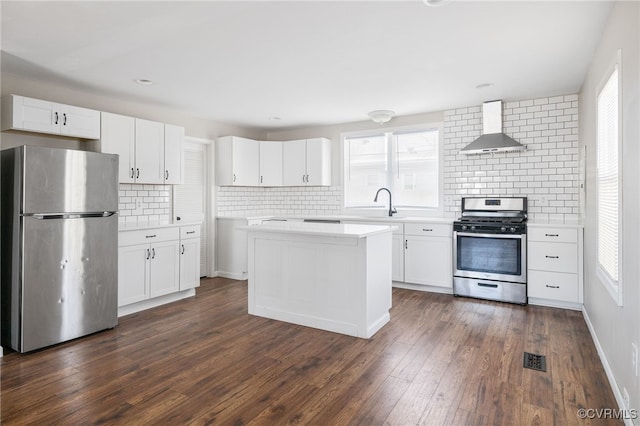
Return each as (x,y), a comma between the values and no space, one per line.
(320,229)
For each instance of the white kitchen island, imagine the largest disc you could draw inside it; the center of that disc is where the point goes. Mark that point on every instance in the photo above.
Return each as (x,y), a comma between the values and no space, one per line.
(328,276)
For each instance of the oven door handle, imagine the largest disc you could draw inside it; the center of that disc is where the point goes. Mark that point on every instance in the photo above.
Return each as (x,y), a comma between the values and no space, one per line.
(472,234)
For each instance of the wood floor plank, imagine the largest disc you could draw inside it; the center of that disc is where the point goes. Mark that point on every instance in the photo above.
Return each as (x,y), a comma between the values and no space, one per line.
(203,360)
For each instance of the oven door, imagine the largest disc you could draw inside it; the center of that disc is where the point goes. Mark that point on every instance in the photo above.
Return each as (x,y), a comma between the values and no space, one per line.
(490,256)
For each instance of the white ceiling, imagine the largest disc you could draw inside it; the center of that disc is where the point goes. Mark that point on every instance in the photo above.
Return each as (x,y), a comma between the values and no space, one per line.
(309,63)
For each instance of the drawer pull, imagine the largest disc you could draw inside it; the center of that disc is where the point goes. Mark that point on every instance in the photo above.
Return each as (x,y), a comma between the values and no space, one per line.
(487,285)
(427,229)
(552,257)
(150,236)
(551,235)
(191,232)
(552,286)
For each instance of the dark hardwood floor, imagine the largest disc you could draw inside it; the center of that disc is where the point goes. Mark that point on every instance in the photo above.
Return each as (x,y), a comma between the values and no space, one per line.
(440,361)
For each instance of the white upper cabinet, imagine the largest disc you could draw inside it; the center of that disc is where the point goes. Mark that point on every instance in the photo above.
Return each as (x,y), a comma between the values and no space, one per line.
(118,137)
(149,151)
(35,115)
(318,162)
(307,162)
(245,162)
(237,161)
(147,154)
(173,161)
(270,163)
(295,163)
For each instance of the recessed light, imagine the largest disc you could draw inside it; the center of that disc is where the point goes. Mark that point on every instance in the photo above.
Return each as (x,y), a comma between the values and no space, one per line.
(143,81)
(436,3)
(274,118)
(484,85)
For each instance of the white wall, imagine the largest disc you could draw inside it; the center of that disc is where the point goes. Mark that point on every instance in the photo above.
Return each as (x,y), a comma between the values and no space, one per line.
(616,327)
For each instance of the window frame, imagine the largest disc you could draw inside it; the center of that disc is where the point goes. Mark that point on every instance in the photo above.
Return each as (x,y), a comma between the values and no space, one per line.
(383,208)
(614,288)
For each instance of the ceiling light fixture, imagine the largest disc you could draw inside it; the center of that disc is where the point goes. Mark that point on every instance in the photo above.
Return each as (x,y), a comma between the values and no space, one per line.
(381,116)
(143,81)
(484,85)
(436,3)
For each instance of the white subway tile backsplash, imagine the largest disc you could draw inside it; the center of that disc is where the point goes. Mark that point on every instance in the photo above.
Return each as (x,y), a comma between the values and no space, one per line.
(154,202)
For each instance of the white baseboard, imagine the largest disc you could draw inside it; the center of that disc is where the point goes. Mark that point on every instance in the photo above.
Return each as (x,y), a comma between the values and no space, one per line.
(421,287)
(232,275)
(156,301)
(607,368)
(555,304)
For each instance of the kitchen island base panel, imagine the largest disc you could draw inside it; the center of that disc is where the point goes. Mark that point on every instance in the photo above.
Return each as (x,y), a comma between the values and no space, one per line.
(338,284)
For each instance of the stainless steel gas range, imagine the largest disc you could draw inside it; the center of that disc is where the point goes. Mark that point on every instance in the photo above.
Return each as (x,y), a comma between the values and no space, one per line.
(490,249)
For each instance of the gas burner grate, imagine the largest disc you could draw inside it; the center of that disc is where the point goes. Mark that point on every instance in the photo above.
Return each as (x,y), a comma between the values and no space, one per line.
(535,362)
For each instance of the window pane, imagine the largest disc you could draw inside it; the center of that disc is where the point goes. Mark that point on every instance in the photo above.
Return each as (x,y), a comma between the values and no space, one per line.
(607,178)
(366,169)
(416,181)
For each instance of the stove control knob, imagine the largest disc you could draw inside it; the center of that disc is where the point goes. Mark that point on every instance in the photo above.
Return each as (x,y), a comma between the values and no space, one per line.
(513,229)
(473,228)
(503,229)
(464,227)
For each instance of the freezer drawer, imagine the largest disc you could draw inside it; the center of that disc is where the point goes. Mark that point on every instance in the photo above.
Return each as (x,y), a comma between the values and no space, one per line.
(69,280)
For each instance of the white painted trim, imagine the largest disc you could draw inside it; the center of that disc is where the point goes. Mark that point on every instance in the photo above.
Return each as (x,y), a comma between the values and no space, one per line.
(155,302)
(607,368)
(555,304)
(231,275)
(202,141)
(422,287)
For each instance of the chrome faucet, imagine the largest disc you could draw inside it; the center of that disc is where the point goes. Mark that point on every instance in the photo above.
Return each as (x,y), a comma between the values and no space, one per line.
(391,209)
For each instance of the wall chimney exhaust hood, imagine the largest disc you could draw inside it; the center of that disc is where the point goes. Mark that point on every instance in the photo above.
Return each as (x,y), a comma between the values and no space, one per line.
(492,139)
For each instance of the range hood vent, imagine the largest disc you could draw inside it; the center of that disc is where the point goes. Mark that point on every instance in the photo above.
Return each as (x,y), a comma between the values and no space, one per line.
(492,139)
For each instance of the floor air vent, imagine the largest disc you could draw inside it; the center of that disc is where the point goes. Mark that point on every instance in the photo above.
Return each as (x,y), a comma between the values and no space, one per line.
(535,361)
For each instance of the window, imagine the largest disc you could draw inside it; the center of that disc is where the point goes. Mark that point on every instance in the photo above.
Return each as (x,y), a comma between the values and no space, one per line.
(608,184)
(407,162)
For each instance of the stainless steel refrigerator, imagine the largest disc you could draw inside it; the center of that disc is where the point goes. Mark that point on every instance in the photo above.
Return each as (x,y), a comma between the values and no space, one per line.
(59,229)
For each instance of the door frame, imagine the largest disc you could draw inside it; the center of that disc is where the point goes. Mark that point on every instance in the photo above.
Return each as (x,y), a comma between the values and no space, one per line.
(208,233)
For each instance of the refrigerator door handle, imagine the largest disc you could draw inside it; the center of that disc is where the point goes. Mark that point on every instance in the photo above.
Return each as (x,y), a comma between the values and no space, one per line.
(45,216)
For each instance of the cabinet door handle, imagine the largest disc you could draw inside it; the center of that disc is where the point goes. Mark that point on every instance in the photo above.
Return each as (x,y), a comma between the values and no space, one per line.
(552,257)
(427,229)
(56,118)
(260,179)
(133,173)
(307,178)
(552,286)
(550,235)
(150,236)
(182,249)
(234,177)
(148,254)
(153,253)
(190,232)
(303,178)
(406,244)
(137,173)
(64,119)
(166,175)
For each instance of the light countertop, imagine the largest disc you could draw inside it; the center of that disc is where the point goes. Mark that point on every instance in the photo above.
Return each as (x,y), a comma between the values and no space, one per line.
(123,227)
(320,229)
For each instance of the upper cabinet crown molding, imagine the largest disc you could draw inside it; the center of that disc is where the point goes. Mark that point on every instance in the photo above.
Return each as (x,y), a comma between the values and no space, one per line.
(150,152)
(39,116)
(246,162)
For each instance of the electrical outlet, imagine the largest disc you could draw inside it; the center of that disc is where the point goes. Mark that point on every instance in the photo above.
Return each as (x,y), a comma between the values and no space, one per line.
(625,398)
(138,210)
(634,358)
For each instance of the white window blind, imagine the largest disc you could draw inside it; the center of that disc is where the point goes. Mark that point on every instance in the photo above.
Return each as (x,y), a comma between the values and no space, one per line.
(608,191)
(408,163)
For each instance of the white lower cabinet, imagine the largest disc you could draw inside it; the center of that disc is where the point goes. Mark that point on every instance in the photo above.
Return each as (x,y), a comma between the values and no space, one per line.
(189,257)
(428,254)
(157,262)
(554,266)
(231,247)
